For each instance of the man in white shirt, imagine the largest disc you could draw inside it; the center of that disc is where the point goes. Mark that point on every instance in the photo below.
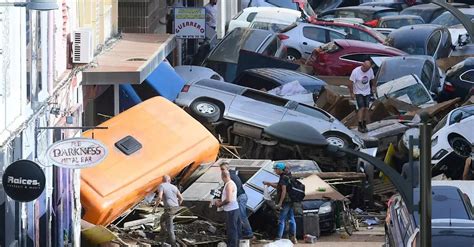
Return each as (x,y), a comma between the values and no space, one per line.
(231,208)
(363,84)
(211,14)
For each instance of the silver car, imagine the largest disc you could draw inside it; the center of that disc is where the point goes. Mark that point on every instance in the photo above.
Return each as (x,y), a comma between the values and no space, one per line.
(302,38)
(213,101)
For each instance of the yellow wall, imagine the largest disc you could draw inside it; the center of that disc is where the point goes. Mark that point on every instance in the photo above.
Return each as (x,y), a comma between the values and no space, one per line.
(100,15)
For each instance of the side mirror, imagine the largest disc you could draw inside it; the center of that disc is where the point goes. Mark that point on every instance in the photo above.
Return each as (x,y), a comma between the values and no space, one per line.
(458,117)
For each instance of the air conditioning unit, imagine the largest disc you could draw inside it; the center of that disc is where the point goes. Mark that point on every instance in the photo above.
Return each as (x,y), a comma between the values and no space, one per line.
(82,45)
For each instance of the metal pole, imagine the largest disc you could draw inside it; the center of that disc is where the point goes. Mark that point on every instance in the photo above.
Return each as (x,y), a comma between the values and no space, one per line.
(425,180)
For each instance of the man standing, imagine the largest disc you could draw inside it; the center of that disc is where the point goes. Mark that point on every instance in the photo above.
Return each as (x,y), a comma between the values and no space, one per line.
(211,14)
(363,84)
(284,203)
(468,171)
(242,199)
(171,198)
(231,208)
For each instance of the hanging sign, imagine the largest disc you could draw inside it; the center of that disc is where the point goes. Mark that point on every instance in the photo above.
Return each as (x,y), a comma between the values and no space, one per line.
(23,180)
(190,23)
(76,153)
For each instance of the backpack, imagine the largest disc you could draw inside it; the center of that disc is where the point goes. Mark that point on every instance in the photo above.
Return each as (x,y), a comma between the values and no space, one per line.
(296,190)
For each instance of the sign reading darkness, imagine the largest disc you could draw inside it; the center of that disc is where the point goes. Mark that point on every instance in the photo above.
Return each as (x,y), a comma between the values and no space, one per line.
(23,180)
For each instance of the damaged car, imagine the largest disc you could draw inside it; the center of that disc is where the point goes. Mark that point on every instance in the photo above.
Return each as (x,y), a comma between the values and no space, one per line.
(423,66)
(408,89)
(214,101)
(453,136)
(459,81)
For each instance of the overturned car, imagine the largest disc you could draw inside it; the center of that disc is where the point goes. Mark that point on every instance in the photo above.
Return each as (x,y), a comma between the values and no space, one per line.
(238,115)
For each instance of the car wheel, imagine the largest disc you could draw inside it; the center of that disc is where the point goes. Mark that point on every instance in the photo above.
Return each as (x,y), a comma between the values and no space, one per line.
(206,111)
(337,139)
(293,55)
(460,145)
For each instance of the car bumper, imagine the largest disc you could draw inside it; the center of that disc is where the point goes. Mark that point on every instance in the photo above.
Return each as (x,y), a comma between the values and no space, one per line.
(327,222)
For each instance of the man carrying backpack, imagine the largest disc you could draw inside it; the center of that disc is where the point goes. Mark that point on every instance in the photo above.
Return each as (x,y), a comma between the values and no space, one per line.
(284,203)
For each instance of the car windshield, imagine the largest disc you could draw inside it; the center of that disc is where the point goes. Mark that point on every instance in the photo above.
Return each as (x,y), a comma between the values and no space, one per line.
(423,13)
(448,19)
(274,27)
(440,124)
(246,39)
(406,89)
(393,69)
(400,23)
(411,47)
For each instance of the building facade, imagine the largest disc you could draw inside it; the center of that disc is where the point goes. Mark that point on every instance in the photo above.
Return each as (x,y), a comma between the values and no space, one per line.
(40,87)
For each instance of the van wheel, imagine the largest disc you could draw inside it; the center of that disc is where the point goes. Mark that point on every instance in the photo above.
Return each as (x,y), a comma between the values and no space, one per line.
(206,111)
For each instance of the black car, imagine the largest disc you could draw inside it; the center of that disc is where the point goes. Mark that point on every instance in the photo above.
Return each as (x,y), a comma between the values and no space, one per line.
(370,14)
(224,57)
(429,11)
(422,39)
(269,78)
(451,219)
(422,66)
(459,81)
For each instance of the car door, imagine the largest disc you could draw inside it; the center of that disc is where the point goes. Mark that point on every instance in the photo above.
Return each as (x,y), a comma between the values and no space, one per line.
(257,108)
(313,37)
(308,115)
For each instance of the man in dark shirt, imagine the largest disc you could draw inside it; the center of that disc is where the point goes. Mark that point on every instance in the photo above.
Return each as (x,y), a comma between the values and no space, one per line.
(242,198)
(284,203)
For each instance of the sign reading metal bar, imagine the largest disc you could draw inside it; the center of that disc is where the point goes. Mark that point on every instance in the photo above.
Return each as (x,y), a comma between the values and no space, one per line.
(77,153)
(190,23)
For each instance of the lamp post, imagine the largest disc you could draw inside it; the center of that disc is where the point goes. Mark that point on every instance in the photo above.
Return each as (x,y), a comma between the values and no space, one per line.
(303,134)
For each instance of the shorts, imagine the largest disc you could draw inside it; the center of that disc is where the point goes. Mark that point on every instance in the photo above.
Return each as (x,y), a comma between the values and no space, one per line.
(362,101)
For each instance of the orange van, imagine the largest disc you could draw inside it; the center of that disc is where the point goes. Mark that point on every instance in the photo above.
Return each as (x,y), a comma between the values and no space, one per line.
(144,143)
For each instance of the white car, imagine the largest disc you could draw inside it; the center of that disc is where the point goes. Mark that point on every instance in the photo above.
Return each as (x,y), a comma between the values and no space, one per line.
(246,16)
(275,19)
(302,38)
(453,134)
(408,89)
(191,73)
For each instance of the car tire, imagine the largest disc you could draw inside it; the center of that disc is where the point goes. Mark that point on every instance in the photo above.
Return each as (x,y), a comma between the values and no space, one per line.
(460,145)
(205,111)
(338,139)
(293,55)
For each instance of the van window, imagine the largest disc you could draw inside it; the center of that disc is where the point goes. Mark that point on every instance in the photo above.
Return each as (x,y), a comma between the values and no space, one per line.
(311,112)
(433,43)
(247,80)
(316,34)
(263,97)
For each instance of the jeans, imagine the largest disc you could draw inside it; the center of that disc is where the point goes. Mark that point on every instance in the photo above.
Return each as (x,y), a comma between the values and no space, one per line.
(167,226)
(233,227)
(246,228)
(286,213)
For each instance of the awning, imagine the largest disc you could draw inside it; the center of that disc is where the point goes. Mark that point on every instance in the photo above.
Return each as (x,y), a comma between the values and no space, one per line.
(131,60)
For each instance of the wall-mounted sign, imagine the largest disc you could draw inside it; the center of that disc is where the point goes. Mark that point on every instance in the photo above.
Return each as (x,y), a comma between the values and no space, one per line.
(76,153)
(23,180)
(190,23)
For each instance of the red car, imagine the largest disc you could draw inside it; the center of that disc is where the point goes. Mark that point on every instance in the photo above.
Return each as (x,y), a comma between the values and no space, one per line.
(340,57)
(354,31)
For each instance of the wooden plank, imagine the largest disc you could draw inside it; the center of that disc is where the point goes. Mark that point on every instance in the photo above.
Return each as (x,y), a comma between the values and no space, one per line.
(343,175)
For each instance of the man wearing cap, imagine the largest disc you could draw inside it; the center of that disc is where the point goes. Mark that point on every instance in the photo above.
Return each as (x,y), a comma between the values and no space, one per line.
(284,203)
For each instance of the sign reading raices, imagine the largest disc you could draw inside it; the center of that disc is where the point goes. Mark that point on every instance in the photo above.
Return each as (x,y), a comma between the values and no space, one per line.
(23,180)
(190,23)
(76,153)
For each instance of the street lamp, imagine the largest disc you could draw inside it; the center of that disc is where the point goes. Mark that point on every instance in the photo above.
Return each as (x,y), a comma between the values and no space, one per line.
(303,134)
